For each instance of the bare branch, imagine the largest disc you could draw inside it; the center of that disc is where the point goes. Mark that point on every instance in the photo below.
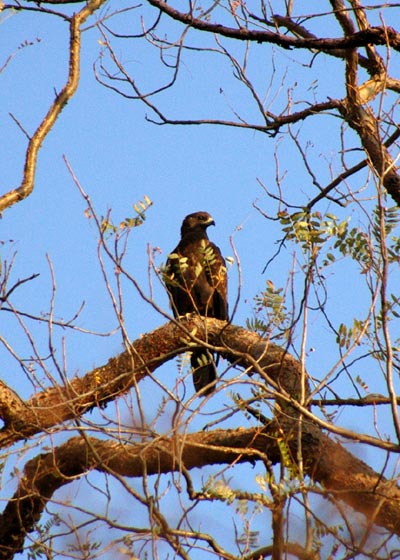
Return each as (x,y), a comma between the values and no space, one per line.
(362,119)
(372,35)
(275,366)
(35,143)
(120,374)
(343,475)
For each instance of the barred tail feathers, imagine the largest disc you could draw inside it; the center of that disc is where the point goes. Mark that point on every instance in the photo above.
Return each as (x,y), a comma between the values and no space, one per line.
(204,371)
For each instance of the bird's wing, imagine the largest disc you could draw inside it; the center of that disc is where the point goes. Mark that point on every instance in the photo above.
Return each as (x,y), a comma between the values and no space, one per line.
(216,275)
(182,280)
(196,279)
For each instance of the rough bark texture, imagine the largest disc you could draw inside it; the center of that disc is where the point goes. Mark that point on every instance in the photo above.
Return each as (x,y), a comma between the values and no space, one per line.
(342,474)
(103,384)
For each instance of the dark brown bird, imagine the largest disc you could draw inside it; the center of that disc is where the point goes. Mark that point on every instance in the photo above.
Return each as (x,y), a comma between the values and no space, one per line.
(196,280)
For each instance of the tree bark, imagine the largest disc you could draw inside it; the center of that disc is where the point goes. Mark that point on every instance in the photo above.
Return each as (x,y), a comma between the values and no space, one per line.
(342,474)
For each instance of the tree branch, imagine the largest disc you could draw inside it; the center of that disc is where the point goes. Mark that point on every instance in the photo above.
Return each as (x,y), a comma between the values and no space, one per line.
(361,118)
(105,383)
(35,143)
(344,476)
(275,366)
(373,35)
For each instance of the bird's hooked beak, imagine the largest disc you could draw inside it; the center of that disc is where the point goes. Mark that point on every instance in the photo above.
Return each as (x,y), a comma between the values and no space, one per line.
(210,222)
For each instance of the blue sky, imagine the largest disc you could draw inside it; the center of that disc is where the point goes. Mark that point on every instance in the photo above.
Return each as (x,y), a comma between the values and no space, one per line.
(119,157)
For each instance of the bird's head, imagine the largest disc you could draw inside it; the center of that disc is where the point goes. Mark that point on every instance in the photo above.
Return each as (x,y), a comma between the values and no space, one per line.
(199,221)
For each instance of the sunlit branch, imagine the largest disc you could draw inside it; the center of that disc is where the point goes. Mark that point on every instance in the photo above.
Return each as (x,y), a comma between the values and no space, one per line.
(276,368)
(341,473)
(67,92)
(362,119)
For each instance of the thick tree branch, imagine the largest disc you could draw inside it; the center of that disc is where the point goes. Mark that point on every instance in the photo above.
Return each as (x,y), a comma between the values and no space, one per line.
(362,119)
(276,368)
(48,472)
(373,35)
(60,404)
(12,407)
(300,31)
(344,476)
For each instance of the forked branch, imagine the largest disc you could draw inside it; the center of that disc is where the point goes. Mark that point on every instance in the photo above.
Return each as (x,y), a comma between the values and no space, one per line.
(343,476)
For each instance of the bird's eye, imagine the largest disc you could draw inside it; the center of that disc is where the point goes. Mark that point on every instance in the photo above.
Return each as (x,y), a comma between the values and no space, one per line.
(202,218)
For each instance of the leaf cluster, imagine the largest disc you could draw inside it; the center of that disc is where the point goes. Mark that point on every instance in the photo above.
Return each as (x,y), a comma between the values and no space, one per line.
(310,229)
(128,223)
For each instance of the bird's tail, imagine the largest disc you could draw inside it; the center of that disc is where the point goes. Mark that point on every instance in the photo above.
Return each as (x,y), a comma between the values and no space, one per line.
(204,371)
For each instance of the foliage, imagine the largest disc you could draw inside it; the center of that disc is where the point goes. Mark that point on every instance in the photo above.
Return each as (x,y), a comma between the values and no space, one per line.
(134,464)
(140,209)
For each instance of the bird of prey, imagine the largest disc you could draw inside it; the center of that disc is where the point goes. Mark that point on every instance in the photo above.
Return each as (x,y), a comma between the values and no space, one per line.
(196,279)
